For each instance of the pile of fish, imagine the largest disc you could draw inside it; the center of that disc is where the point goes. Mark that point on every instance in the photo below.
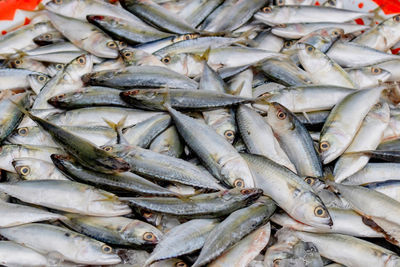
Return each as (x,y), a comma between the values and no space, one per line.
(200,133)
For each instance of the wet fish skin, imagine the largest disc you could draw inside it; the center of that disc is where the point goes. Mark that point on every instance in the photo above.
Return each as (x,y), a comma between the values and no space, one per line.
(164,168)
(121,29)
(89,38)
(237,225)
(157,15)
(332,144)
(212,205)
(36,169)
(154,99)
(77,197)
(13,254)
(127,182)
(88,97)
(218,155)
(299,199)
(140,76)
(183,239)
(72,246)
(115,230)
(295,140)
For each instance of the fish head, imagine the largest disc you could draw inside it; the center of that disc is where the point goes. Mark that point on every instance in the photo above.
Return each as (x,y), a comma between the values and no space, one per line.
(331,146)
(279,117)
(59,6)
(143,233)
(311,210)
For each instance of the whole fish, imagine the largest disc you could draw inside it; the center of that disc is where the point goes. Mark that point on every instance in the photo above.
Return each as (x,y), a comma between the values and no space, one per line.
(70,245)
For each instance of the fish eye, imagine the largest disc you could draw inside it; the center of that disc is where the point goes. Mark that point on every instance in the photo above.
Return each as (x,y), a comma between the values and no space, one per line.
(309,180)
(47,36)
(180,264)
(378,105)
(23,131)
(276,262)
(41,78)
(246,191)
(229,134)
(187,36)
(280,114)
(58,2)
(324,146)
(106,249)
(166,60)
(376,70)
(24,170)
(281,25)
(238,183)
(128,54)
(267,9)
(148,236)
(287,44)
(320,211)
(61,96)
(112,45)
(107,148)
(59,66)
(396,18)
(335,33)
(280,2)
(82,60)
(18,62)
(310,48)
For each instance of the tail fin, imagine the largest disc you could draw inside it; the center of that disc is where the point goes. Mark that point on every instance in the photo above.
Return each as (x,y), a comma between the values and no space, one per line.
(117,127)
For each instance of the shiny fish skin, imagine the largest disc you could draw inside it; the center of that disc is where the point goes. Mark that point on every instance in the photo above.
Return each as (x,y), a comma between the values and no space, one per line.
(374,172)
(220,158)
(10,115)
(299,199)
(89,97)
(72,246)
(259,138)
(79,198)
(114,230)
(124,30)
(294,140)
(143,133)
(21,214)
(306,14)
(243,252)
(183,239)
(368,137)
(90,38)
(346,247)
(13,254)
(382,36)
(237,225)
(212,205)
(298,30)
(140,76)
(154,99)
(321,68)
(305,98)
(157,15)
(36,169)
(338,132)
(353,55)
(126,182)
(164,168)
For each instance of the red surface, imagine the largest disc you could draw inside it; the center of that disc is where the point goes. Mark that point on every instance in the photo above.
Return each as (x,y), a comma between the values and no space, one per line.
(389,6)
(359,21)
(8,7)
